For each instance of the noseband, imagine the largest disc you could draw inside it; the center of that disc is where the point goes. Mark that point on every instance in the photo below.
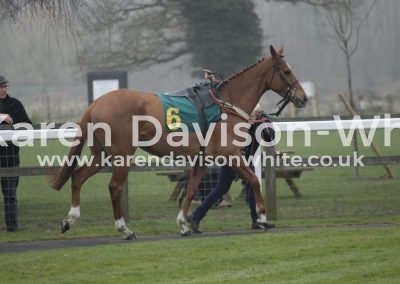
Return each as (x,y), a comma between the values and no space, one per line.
(290,88)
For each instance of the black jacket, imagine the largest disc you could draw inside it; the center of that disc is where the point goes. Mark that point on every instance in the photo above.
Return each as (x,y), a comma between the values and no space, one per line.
(15,109)
(9,156)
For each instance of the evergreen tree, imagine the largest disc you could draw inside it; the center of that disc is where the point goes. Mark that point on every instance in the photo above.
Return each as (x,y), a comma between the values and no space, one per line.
(223,36)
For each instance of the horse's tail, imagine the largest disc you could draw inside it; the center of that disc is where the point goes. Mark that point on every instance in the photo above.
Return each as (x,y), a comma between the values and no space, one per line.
(62,175)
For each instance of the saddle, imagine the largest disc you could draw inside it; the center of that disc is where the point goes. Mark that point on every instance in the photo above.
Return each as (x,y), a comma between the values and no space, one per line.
(191,105)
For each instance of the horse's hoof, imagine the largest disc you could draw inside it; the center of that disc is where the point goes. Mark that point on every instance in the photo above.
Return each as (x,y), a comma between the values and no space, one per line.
(186,234)
(262,226)
(130,236)
(64,226)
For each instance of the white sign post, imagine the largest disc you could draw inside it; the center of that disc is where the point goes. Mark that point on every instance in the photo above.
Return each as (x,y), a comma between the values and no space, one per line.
(103,82)
(101,87)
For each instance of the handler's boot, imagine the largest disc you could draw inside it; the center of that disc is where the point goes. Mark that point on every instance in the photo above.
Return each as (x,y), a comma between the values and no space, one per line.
(194,224)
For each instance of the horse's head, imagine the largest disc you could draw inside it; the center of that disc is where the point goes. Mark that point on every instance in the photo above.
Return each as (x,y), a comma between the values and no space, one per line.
(284,82)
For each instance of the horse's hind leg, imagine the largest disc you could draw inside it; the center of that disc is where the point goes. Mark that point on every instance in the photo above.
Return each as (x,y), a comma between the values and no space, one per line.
(117,182)
(79,176)
(181,220)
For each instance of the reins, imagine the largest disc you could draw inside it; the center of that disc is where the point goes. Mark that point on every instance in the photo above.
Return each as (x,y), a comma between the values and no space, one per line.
(229,107)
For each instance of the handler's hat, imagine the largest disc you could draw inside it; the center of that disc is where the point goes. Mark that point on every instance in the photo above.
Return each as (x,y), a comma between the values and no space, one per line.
(3,80)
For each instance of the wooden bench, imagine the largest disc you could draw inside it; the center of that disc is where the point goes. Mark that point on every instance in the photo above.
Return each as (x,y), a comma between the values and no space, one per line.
(286,173)
(175,176)
(289,173)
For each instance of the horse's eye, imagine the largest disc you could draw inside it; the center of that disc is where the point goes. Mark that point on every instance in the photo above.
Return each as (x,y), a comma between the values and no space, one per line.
(287,72)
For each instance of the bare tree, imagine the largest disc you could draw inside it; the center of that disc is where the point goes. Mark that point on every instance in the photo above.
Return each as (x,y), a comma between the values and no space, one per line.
(341,22)
(345,17)
(59,13)
(142,33)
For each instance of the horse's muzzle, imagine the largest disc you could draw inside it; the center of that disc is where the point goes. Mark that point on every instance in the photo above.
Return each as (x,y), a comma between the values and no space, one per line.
(298,103)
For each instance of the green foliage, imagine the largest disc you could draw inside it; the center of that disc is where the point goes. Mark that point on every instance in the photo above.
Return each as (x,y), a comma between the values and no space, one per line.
(223,36)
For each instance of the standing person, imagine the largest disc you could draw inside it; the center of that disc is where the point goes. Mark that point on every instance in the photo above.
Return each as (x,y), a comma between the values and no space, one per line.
(11,112)
(226,177)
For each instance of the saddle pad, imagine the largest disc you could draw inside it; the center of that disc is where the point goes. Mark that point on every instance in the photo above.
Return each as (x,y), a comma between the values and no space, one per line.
(179,109)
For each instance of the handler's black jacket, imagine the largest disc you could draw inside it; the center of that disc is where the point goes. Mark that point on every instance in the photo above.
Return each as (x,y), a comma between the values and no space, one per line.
(9,156)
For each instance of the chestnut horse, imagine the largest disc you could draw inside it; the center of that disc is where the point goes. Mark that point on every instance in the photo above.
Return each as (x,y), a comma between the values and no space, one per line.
(238,96)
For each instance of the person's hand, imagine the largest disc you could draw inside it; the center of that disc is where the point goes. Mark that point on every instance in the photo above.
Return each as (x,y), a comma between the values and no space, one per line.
(258,113)
(6,118)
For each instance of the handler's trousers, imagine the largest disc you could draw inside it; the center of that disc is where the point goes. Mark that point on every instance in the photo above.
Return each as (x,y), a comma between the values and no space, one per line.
(9,187)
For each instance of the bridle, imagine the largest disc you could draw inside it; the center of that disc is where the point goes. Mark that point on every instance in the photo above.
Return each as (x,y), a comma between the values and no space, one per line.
(290,91)
(290,88)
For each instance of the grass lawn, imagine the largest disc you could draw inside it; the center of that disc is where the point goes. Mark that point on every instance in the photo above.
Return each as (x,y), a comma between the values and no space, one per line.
(326,252)
(329,255)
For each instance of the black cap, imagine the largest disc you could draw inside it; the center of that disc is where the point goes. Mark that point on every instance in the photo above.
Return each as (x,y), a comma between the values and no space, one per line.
(3,80)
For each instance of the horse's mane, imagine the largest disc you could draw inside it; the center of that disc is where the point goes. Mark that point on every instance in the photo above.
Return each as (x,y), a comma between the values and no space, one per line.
(244,70)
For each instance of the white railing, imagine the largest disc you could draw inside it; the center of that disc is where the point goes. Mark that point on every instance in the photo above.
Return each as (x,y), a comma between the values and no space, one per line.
(295,126)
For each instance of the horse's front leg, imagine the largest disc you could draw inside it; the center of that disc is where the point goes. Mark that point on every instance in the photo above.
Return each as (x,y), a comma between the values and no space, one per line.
(260,204)
(196,174)
(246,173)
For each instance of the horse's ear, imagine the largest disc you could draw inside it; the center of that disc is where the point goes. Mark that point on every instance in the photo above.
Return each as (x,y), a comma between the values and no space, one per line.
(273,51)
(280,50)
(276,54)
